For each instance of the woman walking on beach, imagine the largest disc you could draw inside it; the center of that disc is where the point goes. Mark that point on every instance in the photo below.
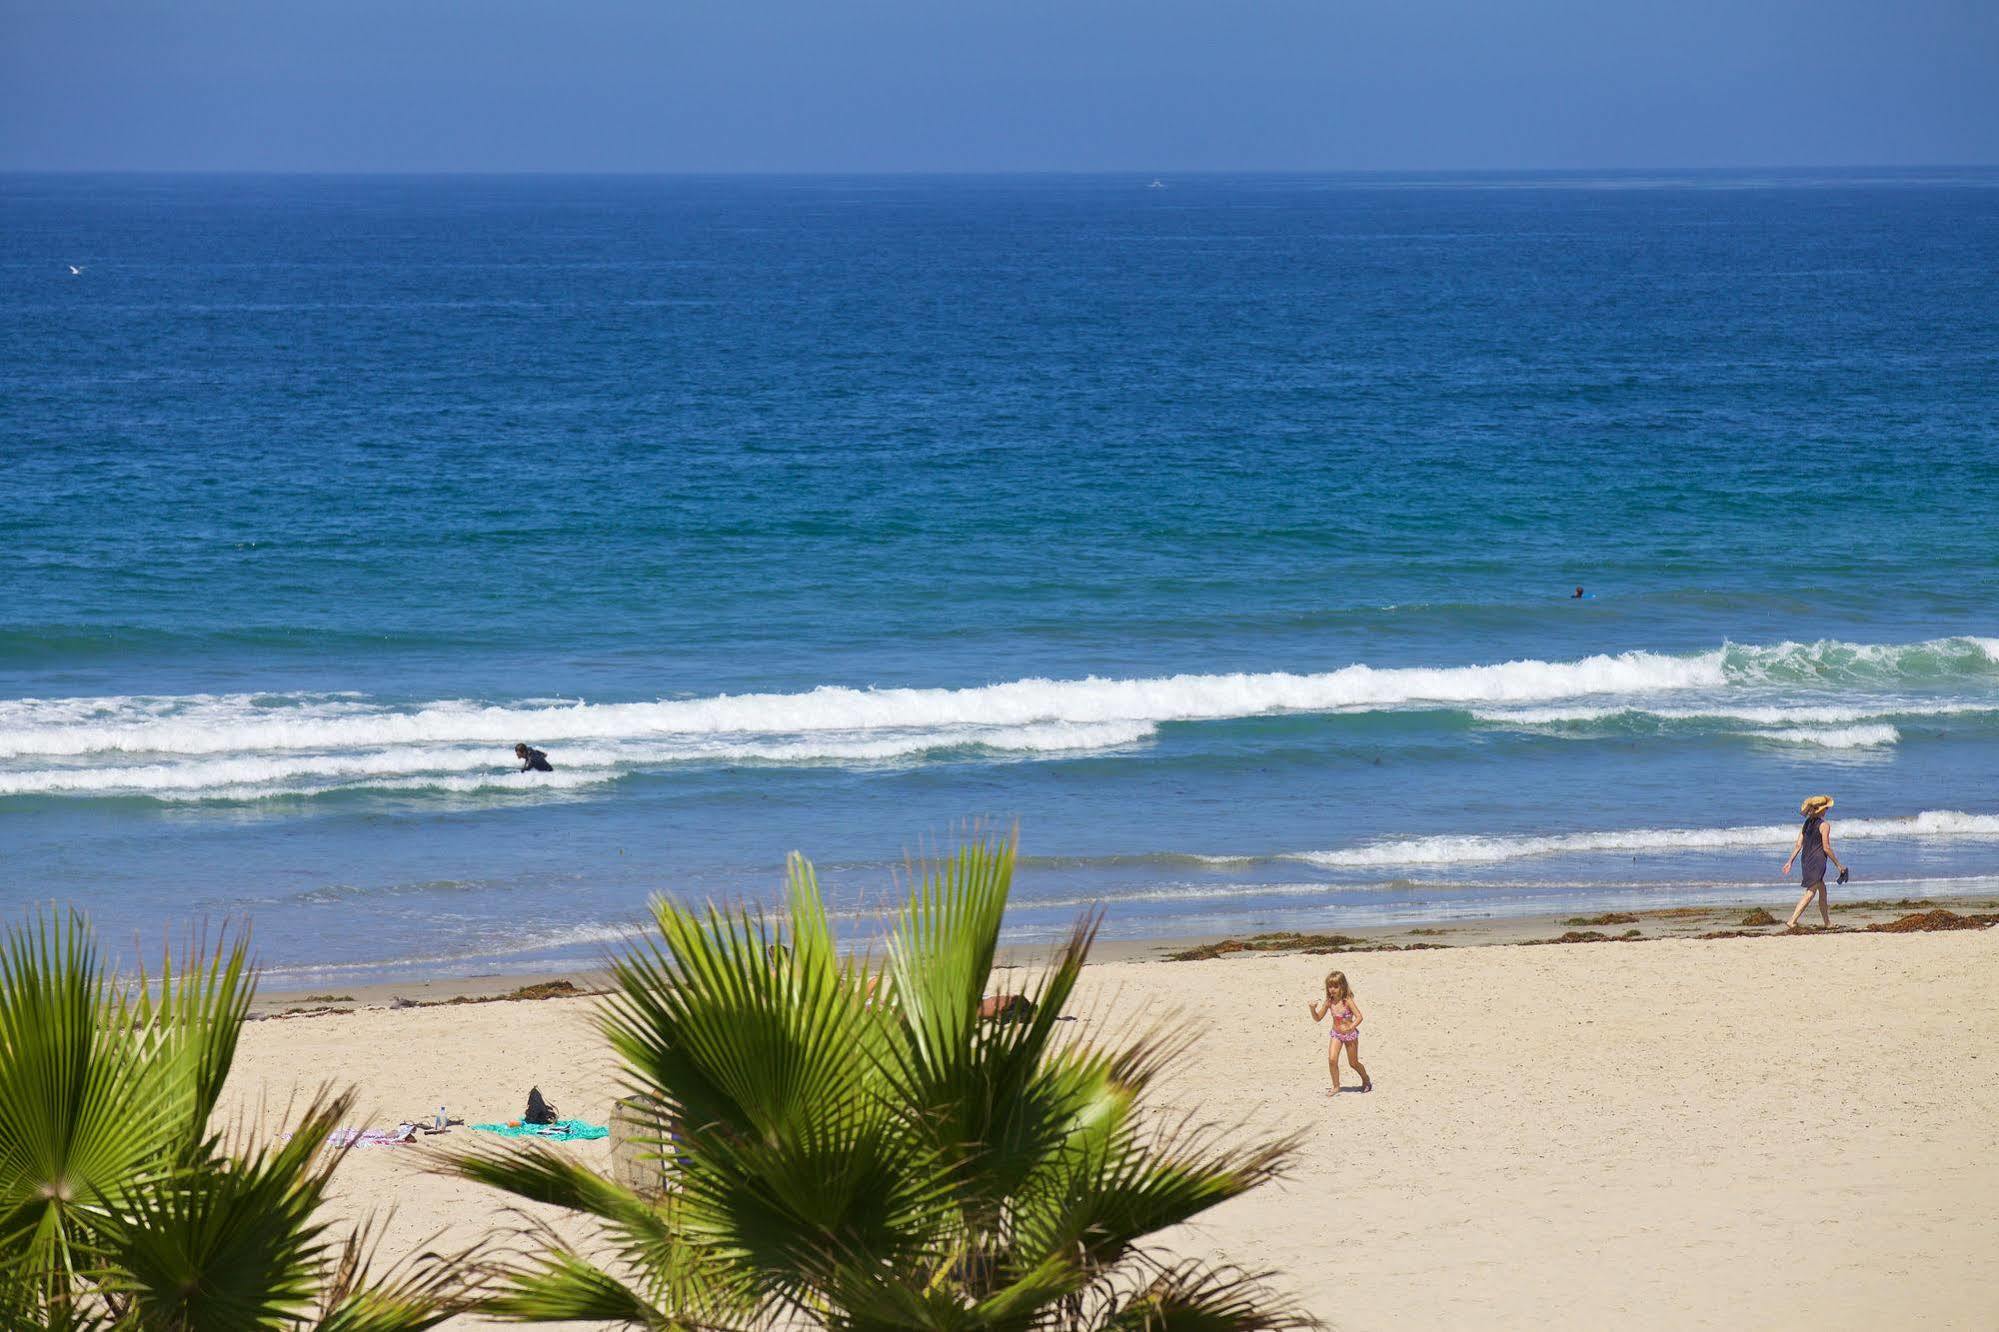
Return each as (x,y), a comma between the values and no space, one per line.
(1346,1030)
(1814,844)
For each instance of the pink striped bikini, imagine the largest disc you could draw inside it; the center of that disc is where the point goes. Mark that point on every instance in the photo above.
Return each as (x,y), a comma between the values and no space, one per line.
(1344,1013)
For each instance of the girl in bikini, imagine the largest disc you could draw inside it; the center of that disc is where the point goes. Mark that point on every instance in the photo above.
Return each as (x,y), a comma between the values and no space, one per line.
(1346,1030)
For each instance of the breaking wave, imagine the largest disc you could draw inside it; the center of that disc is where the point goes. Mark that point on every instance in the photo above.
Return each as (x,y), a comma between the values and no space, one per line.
(1834,737)
(469,770)
(1473,850)
(214,724)
(1788,714)
(247,745)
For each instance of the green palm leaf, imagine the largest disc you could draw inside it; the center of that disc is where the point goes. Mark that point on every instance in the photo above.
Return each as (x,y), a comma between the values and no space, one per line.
(1192,1298)
(863,1152)
(757,1048)
(197,1015)
(560,1287)
(118,1205)
(420,1292)
(92,1101)
(676,1280)
(1109,1188)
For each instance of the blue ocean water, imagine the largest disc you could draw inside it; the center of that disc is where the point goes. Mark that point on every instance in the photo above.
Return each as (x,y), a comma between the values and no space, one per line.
(1223,533)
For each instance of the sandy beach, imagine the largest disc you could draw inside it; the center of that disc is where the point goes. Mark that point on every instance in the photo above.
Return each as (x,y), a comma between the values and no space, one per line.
(1680,1132)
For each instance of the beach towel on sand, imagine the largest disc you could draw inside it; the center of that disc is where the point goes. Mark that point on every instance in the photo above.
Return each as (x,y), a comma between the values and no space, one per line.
(571,1130)
(354,1137)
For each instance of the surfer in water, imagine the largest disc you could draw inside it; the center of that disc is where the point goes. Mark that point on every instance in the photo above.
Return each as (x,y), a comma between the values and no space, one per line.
(532,760)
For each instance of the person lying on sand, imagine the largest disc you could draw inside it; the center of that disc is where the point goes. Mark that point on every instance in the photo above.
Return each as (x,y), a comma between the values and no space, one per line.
(1346,1030)
(1815,845)
(532,760)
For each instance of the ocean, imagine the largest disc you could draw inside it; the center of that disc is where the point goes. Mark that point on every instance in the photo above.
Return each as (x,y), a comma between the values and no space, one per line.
(1222,533)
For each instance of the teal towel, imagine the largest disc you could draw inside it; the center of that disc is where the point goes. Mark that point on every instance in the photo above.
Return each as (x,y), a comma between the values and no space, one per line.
(568,1130)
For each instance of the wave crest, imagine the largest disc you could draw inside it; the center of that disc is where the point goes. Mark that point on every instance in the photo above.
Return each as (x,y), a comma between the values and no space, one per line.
(1834,737)
(202,745)
(1474,850)
(221,724)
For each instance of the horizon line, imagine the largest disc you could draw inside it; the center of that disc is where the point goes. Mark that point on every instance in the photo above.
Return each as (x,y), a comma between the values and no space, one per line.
(969,172)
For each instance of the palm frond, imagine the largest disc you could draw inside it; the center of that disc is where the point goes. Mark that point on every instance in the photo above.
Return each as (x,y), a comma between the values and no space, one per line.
(641,1230)
(729,1030)
(1112,1185)
(91,1111)
(941,953)
(388,1310)
(1190,1297)
(539,1173)
(560,1287)
(757,1051)
(119,1206)
(418,1292)
(669,1279)
(992,1098)
(863,1153)
(228,1243)
(197,1016)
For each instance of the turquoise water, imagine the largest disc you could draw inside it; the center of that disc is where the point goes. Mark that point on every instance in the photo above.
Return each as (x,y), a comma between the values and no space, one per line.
(1223,534)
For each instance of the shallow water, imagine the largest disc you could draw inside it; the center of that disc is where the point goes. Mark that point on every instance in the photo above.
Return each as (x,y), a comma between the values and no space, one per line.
(1221,534)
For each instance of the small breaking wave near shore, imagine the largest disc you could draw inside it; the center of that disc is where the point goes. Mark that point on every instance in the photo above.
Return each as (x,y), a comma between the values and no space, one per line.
(1477,850)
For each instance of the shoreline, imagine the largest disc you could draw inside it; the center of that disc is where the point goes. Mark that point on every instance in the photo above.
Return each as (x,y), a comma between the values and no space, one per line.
(1644,926)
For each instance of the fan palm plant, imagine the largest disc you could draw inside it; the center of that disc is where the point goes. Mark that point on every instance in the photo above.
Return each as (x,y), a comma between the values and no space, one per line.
(855,1147)
(119,1206)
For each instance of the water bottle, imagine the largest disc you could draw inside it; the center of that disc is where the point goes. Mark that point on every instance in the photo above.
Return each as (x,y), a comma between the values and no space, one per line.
(440,1118)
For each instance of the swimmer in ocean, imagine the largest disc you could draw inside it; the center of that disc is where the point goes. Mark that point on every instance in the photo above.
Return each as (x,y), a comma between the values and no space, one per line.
(532,760)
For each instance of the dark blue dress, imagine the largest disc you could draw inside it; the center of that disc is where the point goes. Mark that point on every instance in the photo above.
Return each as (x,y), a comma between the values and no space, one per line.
(1813,855)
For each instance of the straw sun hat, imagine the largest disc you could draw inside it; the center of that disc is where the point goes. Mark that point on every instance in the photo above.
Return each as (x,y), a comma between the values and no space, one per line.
(1815,805)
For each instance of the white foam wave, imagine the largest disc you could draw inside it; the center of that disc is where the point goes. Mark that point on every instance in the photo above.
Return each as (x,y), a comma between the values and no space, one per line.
(1834,737)
(224,724)
(217,724)
(172,746)
(1474,850)
(470,769)
(1789,714)
(529,940)
(1831,662)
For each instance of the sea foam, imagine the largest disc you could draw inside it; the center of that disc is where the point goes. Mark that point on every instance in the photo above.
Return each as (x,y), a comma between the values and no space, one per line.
(1470,850)
(464,769)
(242,745)
(222,724)
(1834,737)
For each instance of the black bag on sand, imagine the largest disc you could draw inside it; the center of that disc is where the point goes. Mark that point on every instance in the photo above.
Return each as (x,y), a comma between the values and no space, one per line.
(538,1111)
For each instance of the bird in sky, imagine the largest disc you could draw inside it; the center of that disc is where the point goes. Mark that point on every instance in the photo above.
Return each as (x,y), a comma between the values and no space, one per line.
(74,271)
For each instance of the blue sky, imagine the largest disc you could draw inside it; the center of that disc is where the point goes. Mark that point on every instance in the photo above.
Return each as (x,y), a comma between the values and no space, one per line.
(994,85)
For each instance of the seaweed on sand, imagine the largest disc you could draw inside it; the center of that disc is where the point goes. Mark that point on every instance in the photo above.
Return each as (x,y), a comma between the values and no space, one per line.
(1924,922)
(1586,936)
(1284,941)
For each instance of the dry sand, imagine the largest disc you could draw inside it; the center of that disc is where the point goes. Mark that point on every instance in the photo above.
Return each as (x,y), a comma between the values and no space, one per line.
(1765,1133)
